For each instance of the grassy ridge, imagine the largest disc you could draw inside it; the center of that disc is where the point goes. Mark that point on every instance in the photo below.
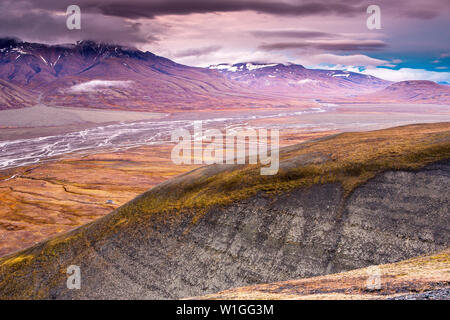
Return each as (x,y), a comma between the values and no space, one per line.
(349,159)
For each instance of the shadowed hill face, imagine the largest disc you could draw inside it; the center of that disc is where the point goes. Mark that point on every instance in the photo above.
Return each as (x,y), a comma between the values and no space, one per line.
(423,277)
(12,96)
(218,227)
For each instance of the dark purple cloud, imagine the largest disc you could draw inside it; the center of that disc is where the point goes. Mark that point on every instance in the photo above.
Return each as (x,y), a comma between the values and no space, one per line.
(196,52)
(424,14)
(149,9)
(17,19)
(112,20)
(350,45)
(152,8)
(292,34)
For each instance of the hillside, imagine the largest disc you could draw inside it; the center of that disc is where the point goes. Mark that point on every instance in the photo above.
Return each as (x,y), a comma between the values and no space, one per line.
(220,227)
(12,96)
(424,277)
(296,80)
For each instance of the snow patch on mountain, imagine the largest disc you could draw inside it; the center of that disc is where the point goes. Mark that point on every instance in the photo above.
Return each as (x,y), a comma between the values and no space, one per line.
(346,75)
(252,67)
(241,66)
(306,81)
(20,51)
(226,67)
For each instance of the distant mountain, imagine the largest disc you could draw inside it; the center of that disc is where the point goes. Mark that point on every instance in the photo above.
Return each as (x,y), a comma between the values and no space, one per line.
(353,285)
(417,91)
(99,75)
(297,80)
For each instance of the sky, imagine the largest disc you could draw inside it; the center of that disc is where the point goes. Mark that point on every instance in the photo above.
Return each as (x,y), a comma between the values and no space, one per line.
(412,44)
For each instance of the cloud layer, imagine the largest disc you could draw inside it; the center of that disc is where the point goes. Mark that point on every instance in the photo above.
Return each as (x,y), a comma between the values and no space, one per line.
(332,33)
(408,74)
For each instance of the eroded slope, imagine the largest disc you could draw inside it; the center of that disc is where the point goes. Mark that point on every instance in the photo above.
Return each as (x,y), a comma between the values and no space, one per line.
(424,277)
(344,202)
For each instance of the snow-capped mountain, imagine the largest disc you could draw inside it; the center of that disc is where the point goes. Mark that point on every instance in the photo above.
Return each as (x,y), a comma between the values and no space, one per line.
(294,78)
(240,67)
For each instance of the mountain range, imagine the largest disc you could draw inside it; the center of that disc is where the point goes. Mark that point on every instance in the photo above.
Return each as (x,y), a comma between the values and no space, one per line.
(419,91)
(99,75)
(296,80)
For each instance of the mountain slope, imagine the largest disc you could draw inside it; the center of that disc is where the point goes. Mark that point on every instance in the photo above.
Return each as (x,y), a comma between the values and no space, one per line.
(107,76)
(12,96)
(220,227)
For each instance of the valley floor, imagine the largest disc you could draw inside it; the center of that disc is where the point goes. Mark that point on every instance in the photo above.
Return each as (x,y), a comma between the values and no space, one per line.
(45,116)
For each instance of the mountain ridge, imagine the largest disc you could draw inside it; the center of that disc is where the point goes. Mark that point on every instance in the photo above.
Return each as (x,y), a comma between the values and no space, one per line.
(284,77)
(147,82)
(411,91)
